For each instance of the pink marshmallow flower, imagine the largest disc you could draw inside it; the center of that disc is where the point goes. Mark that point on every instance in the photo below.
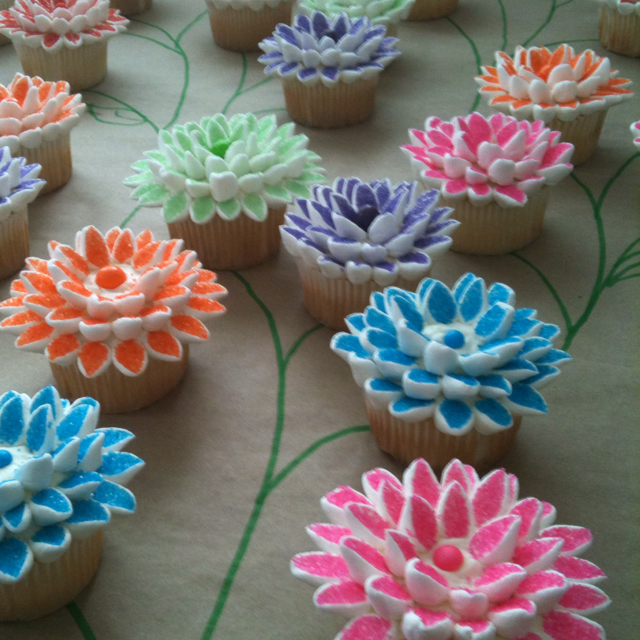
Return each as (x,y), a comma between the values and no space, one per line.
(459,559)
(483,159)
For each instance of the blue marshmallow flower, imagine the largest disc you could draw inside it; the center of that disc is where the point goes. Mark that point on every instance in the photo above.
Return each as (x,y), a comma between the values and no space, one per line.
(60,477)
(466,357)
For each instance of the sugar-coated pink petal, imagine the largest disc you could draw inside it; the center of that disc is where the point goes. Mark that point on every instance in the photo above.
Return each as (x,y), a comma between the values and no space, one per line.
(392,502)
(419,522)
(539,554)
(420,135)
(561,625)
(454,512)
(584,599)
(366,522)
(544,589)
(398,551)
(421,624)
(387,596)
(368,627)
(576,539)
(578,569)
(372,482)
(500,581)
(530,511)
(514,487)
(558,154)
(420,480)
(455,186)
(548,514)
(335,502)
(512,193)
(495,542)
(438,138)
(318,567)
(455,471)
(490,497)
(438,175)
(469,604)
(507,132)
(327,536)
(475,630)
(362,559)
(346,598)
(479,127)
(513,619)
(425,584)
(472,474)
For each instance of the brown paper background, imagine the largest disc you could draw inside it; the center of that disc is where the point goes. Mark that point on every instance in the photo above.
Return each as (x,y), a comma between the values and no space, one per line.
(207,444)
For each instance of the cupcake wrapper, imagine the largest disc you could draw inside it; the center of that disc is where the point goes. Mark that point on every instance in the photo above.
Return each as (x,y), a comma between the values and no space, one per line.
(130,7)
(620,33)
(331,300)
(493,230)
(341,105)
(231,244)
(51,585)
(243,30)
(55,158)
(407,441)
(432,9)
(583,133)
(14,242)
(82,67)
(118,393)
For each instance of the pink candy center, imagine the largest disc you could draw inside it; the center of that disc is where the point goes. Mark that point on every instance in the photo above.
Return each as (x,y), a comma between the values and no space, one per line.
(448,558)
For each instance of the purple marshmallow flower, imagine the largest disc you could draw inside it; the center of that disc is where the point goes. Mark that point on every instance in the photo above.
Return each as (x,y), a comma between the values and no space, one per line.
(18,183)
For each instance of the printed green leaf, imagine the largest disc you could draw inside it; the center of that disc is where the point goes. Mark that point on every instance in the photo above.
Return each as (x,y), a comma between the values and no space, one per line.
(229,209)
(255,207)
(138,178)
(202,210)
(175,207)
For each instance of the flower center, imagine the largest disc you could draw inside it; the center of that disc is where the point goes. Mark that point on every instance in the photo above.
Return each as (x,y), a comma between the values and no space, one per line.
(448,558)
(5,458)
(220,148)
(454,339)
(110,277)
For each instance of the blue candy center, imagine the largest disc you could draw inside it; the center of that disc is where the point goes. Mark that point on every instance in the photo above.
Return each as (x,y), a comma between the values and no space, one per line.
(5,458)
(454,339)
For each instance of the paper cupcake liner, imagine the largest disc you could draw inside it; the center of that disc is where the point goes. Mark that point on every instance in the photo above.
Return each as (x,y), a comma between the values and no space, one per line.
(82,67)
(620,33)
(407,441)
(55,158)
(51,585)
(231,244)
(118,393)
(331,300)
(432,9)
(583,133)
(130,7)
(341,105)
(492,230)
(14,242)
(243,30)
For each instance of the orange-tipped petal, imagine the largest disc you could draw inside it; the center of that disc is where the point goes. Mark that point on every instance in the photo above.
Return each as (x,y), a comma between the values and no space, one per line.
(144,238)
(111,237)
(22,319)
(76,260)
(18,288)
(42,303)
(62,348)
(12,303)
(209,289)
(67,272)
(36,264)
(163,345)
(189,328)
(37,335)
(123,249)
(39,282)
(145,254)
(130,357)
(204,275)
(65,313)
(204,305)
(93,359)
(95,247)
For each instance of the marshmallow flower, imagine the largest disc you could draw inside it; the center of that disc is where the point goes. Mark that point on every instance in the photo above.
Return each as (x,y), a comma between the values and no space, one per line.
(19,184)
(228,168)
(33,111)
(483,159)
(365,231)
(635,130)
(328,50)
(465,357)
(540,84)
(380,12)
(462,558)
(60,477)
(113,299)
(54,24)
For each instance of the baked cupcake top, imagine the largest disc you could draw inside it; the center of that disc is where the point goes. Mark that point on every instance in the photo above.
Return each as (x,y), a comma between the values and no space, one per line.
(33,111)
(328,50)
(60,477)
(53,24)
(635,130)
(625,7)
(378,11)
(541,84)
(243,165)
(466,357)
(460,558)
(497,159)
(369,231)
(116,298)
(19,183)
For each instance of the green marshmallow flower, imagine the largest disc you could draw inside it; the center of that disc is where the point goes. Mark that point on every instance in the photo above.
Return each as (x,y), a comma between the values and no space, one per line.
(378,11)
(225,167)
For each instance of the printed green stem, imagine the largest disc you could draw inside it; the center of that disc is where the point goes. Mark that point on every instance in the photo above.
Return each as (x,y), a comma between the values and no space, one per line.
(238,91)
(505,37)
(128,219)
(476,55)
(127,106)
(81,621)
(544,25)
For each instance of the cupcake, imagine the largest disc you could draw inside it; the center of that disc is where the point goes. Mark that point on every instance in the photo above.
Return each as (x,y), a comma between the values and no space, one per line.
(63,39)
(459,559)
(329,67)
(130,7)
(5,4)
(356,237)
(570,93)
(36,118)
(61,479)
(224,185)
(115,316)
(449,374)
(387,13)
(240,25)
(494,172)
(432,9)
(620,26)
(635,130)
(19,185)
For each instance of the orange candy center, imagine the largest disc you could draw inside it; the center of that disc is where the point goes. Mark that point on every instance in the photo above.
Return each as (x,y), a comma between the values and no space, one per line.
(110,277)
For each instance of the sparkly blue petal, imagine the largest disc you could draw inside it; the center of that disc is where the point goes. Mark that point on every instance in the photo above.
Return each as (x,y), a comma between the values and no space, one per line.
(379,320)
(344,344)
(494,386)
(88,512)
(523,325)
(392,363)
(534,348)
(374,339)
(463,283)
(41,432)
(439,304)
(555,357)
(12,421)
(48,396)
(120,466)
(377,301)
(114,438)
(15,559)
(421,385)
(411,409)
(493,414)
(355,323)
(501,293)
(17,519)
(549,331)
(5,397)
(526,401)
(407,309)
(473,301)
(454,416)
(74,422)
(118,499)
(517,369)
(495,322)
(80,485)
(50,506)
(545,375)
